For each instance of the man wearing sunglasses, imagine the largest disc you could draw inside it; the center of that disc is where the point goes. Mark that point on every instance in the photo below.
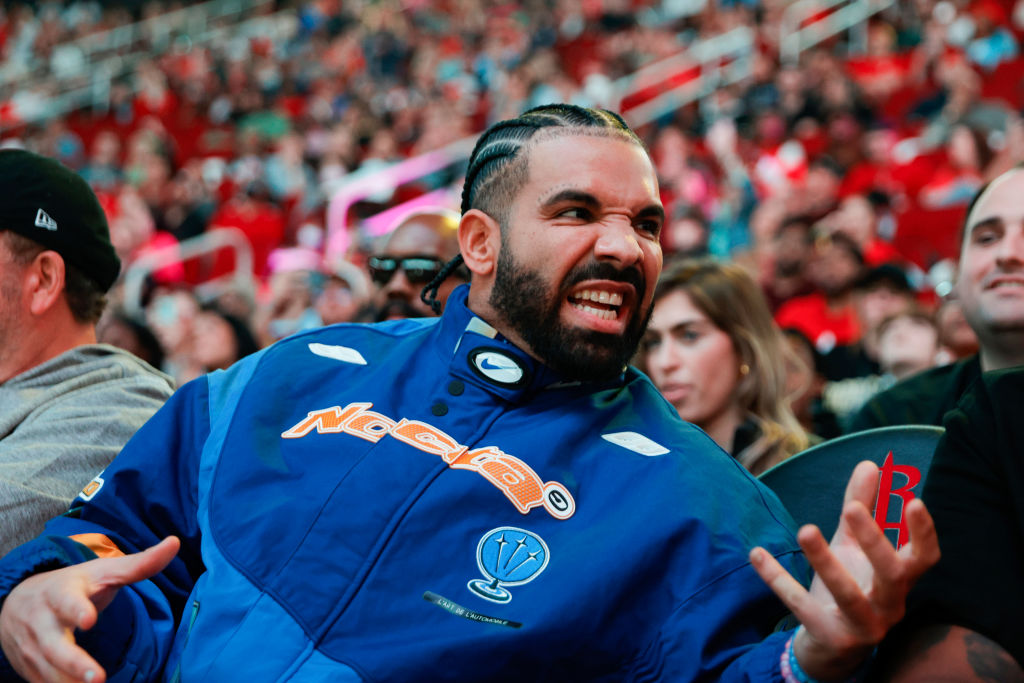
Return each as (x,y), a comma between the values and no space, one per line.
(409,258)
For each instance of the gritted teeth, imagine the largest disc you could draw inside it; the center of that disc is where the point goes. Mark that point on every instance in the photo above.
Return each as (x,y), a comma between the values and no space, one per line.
(597,302)
(598,296)
(604,313)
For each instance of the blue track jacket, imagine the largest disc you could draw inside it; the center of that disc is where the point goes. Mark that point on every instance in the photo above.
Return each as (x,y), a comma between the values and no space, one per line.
(422,501)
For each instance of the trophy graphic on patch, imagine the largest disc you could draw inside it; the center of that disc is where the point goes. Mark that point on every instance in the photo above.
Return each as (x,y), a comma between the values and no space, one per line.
(507,556)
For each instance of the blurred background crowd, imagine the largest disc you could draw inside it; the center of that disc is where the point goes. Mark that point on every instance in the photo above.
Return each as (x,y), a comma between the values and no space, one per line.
(832,166)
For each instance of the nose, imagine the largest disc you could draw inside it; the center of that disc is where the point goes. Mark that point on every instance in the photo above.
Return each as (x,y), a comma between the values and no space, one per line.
(618,242)
(663,359)
(399,287)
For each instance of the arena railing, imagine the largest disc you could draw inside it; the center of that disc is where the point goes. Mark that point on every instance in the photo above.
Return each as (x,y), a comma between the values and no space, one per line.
(147,35)
(339,238)
(806,23)
(649,93)
(40,97)
(656,90)
(213,241)
(659,88)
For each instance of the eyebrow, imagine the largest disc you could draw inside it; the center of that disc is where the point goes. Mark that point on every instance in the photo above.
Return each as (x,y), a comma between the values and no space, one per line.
(654,211)
(577,196)
(691,322)
(590,201)
(990,222)
(682,325)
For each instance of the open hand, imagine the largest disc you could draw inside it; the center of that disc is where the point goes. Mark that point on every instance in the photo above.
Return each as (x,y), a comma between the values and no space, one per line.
(40,615)
(861,582)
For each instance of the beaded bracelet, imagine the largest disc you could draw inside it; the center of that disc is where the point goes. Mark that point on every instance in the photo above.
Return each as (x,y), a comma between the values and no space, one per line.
(791,671)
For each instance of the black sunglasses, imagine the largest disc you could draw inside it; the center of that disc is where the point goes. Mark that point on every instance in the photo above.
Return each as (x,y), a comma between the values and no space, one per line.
(418,269)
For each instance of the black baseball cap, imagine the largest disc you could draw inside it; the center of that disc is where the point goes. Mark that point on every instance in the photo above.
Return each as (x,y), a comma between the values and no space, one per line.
(888,275)
(53,206)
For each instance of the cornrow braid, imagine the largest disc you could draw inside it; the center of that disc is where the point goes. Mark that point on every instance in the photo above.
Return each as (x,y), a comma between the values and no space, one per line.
(429,293)
(497,170)
(498,150)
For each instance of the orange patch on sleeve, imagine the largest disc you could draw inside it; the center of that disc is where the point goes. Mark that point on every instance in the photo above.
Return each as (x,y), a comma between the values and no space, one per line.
(99,544)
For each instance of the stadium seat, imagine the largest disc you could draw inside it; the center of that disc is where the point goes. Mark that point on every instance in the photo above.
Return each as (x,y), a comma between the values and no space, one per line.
(811,483)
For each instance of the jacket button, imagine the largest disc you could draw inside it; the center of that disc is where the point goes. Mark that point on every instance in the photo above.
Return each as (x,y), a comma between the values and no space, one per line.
(456,387)
(439,409)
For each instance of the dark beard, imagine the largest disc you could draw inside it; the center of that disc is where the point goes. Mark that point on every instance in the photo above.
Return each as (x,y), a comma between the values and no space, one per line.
(527,304)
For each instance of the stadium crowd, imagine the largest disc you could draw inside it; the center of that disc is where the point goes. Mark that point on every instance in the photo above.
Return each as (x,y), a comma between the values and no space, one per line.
(814,175)
(814,208)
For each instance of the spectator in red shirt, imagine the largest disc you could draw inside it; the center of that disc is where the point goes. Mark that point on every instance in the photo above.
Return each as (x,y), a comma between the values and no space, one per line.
(262,222)
(828,317)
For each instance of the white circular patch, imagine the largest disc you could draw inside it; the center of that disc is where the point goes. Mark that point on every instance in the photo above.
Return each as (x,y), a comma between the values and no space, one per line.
(498,367)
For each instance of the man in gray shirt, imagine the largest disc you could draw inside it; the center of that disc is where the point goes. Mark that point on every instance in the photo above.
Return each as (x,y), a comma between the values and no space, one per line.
(67,404)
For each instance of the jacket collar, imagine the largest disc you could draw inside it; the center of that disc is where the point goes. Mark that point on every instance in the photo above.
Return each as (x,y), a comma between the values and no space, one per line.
(483,356)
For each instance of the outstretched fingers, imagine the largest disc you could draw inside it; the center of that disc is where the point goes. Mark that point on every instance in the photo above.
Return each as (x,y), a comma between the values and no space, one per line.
(137,566)
(41,645)
(790,591)
(892,573)
(39,618)
(883,581)
(923,550)
(862,485)
(844,576)
(108,575)
(861,581)
(41,671)
(64,659)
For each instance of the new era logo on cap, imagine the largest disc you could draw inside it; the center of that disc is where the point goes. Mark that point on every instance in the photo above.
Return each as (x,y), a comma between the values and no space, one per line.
(43,220)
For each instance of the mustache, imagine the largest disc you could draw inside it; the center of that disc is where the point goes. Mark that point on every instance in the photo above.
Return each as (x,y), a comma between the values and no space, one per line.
(397,307)
(602,270)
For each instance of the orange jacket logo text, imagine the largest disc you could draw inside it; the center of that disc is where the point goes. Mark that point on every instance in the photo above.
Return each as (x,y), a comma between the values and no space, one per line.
(512,476)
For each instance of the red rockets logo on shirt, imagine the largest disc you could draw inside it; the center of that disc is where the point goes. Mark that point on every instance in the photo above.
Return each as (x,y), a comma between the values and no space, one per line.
(509,474)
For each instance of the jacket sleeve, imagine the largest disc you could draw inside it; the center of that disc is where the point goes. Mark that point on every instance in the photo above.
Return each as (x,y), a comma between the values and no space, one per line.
(51,455)
(147,493)
(734,630)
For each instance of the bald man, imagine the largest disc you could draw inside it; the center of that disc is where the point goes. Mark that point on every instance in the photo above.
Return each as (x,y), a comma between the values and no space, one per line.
(409,258)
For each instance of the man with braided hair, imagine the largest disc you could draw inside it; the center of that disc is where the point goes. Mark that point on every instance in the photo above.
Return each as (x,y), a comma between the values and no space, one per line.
(489,495)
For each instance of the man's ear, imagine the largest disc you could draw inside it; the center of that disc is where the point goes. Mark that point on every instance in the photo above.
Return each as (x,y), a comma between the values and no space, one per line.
(44,284)
(479,241)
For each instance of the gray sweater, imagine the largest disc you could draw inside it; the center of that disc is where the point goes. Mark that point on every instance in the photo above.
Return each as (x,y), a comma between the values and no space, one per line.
(61,423)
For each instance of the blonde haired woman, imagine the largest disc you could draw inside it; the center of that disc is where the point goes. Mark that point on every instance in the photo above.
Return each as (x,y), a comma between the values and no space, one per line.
(715,353)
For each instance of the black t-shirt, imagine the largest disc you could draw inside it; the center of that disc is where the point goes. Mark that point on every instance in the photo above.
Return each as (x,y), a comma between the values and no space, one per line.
(975,493)
(921,399)
(846,362)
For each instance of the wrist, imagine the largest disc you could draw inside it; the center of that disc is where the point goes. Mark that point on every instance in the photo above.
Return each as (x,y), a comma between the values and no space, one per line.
(810,661)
